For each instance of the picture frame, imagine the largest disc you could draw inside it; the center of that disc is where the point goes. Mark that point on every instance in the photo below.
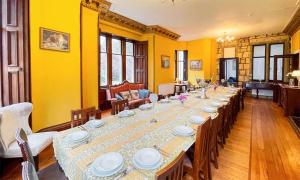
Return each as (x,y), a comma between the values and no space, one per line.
(165,61)
(54,40)
(196,65)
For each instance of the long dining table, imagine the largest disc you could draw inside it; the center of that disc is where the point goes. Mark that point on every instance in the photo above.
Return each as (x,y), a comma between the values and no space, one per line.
(129,134)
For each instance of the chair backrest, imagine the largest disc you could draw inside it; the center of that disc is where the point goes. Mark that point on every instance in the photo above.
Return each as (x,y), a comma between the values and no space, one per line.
(118,106)
(174,171)
(78,117)
(81,116)
(22,140)
(166,89)
(202,146)
(28,171)
(215,123)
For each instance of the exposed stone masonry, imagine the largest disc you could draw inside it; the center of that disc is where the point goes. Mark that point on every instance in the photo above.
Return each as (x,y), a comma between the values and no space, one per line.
(243,50)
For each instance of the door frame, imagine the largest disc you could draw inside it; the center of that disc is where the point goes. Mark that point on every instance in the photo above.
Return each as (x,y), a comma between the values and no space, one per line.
(222,60)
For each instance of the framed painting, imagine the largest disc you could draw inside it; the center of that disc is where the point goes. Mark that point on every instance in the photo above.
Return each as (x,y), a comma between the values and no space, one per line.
(54,40)
(196,65)
(165,61)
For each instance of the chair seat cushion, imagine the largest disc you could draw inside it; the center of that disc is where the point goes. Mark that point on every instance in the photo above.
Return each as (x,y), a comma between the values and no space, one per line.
(37,143)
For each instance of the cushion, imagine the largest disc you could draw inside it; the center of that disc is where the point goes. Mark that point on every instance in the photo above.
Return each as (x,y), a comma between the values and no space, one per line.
(22,112)
(144,93)
(8,127)
(126,95)
(134,94)
(36,141)
(118,97)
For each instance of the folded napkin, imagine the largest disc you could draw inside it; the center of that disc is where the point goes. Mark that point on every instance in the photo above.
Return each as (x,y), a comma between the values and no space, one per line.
(197,119)
(126,113)
(145,106)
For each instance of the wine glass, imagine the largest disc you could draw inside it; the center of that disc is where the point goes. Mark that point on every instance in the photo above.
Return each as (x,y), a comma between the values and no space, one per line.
(153,98)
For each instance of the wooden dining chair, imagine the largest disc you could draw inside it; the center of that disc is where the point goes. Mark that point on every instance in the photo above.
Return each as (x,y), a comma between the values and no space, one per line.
(199,167)
(51,172)
(174,171)
(81,116)
(216,124)
(118,106)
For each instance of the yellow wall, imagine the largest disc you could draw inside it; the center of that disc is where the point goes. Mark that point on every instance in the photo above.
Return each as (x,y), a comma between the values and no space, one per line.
(55,76)
(90,56)
(295,42)
(201,49)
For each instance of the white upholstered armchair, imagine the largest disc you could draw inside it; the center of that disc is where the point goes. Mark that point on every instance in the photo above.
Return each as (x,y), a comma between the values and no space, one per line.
(16,116)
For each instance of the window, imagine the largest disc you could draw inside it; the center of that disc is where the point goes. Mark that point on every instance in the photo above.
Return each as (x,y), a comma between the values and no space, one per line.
(122,59)
(259,62)
(181,65)
(129,62)
(276,49)
(116,61)
(103,61)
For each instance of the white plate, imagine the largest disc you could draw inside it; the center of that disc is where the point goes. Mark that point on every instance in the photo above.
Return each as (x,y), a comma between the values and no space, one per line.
(145,106)
(95,123)
(183,131)
(137,165)
(126,113)
(164,101)
(95,173)
(209,109)
(108,164)
(147,158)
(216,104)
(174,97)
(197,119)
(77,136)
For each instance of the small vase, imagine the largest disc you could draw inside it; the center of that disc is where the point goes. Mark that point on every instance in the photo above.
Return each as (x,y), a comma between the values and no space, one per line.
(291,82)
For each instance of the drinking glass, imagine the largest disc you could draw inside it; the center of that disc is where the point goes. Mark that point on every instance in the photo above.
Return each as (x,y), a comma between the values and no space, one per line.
(153,98)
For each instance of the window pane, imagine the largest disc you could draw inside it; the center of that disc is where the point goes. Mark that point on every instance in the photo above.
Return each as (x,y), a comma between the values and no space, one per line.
(116,46)
(103,43)
(279,69)
(271,75)
(180,65)
(116,69)
(259,51)
(129,48)
(130,68)
(276,49)
(258,68)
(103,69)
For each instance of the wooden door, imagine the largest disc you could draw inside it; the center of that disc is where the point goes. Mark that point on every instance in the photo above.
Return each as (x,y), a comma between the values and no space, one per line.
(14,64)
(141,62)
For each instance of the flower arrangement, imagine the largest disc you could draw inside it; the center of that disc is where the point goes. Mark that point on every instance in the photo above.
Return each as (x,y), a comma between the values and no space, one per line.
(182,98)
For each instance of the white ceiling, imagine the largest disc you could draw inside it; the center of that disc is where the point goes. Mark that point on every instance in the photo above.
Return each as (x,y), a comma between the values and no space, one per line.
(194,19)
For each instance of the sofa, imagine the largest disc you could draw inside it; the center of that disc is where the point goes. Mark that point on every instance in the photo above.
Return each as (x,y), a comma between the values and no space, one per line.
(114,92)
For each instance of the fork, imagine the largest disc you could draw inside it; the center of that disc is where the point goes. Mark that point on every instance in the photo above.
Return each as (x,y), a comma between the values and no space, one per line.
(161,151)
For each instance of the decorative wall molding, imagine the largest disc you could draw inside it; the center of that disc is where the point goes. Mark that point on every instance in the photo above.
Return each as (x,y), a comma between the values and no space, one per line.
(162,31)
(97,5)
(102,6)
(294,24)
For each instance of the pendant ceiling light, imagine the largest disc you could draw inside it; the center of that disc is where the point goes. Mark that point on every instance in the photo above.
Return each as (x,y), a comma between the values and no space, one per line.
(225,38)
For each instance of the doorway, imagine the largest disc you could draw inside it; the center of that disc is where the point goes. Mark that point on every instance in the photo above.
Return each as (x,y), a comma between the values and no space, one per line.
(229,69)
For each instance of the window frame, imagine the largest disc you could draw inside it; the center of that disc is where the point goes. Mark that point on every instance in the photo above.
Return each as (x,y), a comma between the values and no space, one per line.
(265,57)
(109,52)
(133,55)
(274,61)
(185,64)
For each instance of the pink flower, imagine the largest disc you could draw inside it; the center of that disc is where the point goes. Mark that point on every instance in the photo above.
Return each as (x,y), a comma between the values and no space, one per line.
(182,97)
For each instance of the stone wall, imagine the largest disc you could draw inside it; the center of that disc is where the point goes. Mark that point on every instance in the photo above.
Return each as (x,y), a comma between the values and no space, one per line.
(243,51)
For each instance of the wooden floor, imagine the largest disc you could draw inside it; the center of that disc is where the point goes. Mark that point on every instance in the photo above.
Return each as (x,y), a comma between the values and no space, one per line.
(262,145)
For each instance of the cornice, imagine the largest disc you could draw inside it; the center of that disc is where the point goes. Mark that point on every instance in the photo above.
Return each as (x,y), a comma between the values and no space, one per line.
(102,6)
(162,31)
(294,24)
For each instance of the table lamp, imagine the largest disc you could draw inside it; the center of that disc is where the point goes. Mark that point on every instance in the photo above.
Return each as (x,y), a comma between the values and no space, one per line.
(296,74)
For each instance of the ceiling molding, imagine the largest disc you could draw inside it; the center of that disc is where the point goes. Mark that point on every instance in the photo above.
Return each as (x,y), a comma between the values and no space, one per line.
(162,31)
(97,5)
(102,6)
(294,24)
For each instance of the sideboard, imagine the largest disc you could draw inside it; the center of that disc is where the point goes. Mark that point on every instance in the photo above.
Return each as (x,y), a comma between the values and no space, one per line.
(289,99)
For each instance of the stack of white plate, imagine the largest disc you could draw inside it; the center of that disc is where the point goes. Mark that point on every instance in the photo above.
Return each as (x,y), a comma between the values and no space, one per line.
(216,103)
(147,158)
(164,101)
(174,97)
(197,119)
(145,106)
(95,123)
(77,138)
(126,113)
(107,165)
(222,98)
(183,131)
(209,109)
